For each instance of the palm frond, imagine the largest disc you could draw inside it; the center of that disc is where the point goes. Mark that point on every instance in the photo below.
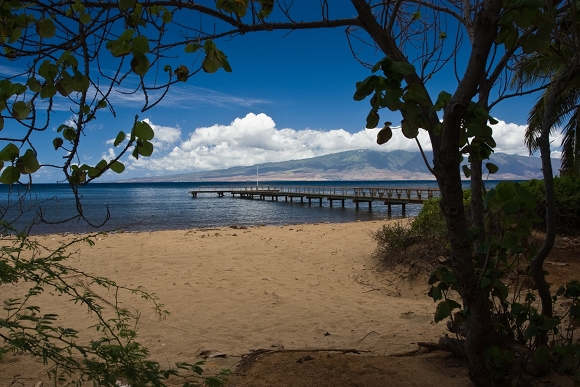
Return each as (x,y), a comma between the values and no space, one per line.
(571,146)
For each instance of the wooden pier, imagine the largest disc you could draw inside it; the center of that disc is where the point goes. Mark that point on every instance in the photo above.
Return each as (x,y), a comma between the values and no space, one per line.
(387,196)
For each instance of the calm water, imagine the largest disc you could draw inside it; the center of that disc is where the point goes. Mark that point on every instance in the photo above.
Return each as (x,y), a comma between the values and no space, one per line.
(169,206)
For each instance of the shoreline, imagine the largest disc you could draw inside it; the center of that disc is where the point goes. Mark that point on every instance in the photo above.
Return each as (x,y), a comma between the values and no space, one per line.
(216,227)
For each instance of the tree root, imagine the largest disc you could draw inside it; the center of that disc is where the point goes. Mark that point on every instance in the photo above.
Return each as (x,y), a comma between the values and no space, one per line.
(446,344)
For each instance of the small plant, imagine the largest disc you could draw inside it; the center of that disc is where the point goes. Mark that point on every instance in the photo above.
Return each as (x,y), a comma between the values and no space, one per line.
(429,223)
(393,238)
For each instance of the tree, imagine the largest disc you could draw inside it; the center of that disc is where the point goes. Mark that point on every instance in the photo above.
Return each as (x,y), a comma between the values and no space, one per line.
(549,66)
(62,47)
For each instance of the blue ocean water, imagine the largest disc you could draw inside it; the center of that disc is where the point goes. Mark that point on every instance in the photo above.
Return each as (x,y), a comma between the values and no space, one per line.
(170,206)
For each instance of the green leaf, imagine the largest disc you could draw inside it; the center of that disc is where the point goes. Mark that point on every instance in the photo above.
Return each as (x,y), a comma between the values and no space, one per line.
(384,135)
(549,323)
(34,85)
(117,167)
(492,168)
(167,17)
(82,83)
(46,28)
(9,153)
(442,311)
(511,207)
(27,163)
(10,175)
(505,190)
(466,171)
(453,304)
(510,240)
(48,91)
(211,64)
(191,48)
(447,277)
(47,70)
(20,110)
(485,282)
(15,35)
(417,93)
(140,65)
(1,123)
(69,133)
(57,143)
(372,119)
(409,130)
(85,18)
(119,139)
(543,39)
(64,87)
(403,68)
(143,131)
(140,45)
(145,148)
(226,65)
(435,293)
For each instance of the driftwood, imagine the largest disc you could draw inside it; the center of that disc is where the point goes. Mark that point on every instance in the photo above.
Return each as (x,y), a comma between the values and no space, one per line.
(446,344)
(249,359)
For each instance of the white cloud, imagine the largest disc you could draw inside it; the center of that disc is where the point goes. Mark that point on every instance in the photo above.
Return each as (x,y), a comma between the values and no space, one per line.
(164,135)
(510,139)
(255,139)
(110,155)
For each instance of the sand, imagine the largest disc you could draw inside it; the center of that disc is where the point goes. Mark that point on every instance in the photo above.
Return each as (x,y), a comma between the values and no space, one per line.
(312,286)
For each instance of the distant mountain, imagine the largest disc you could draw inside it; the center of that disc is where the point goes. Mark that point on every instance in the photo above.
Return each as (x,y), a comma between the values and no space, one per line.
(357,165)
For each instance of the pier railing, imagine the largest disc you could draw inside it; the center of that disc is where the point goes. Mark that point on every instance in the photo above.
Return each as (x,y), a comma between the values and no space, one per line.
(386,193)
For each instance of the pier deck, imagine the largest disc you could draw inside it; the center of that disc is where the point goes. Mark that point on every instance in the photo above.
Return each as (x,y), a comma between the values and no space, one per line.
(387,196)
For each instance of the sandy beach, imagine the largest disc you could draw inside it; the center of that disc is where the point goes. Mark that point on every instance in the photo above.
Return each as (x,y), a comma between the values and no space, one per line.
(312,286)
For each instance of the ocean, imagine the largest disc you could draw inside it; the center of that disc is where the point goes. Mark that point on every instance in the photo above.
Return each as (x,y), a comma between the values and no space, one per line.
(170,206)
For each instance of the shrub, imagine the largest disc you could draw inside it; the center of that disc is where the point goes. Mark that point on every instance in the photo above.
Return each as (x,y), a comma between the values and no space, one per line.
(429,223)
(567,191)
(393,238)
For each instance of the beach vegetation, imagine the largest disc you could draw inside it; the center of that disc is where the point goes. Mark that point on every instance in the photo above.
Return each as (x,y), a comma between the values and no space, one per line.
(61,49)
(567,203)
(393,239)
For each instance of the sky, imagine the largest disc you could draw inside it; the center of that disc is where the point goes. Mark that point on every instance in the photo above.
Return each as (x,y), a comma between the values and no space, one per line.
(289,96)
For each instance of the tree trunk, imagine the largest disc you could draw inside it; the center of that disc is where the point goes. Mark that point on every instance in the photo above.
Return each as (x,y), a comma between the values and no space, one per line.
(537,263)
(447,171)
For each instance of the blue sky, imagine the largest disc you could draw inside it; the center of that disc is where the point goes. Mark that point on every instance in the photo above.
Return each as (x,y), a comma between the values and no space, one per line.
(289,96)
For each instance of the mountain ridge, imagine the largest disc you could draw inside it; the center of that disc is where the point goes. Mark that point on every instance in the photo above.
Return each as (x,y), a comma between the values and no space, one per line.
(355,165)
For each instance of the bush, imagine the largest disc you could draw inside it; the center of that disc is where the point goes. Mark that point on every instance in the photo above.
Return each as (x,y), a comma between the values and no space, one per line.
(567,191)
(429,223)
(393,239)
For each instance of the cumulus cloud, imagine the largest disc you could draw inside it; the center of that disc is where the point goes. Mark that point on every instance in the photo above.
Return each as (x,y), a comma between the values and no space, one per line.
(164,135)
(255,139)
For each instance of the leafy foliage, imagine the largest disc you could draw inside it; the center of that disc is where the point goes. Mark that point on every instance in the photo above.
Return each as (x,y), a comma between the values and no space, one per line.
(567,194)
(392,239)
(499,259)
